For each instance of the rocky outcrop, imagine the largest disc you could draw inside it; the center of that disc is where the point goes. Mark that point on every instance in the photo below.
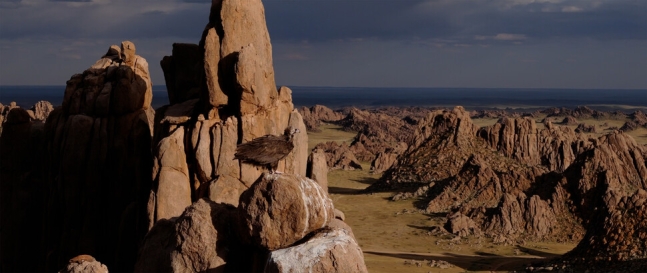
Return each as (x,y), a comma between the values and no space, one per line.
(197,241)
(222,93)
(619,233)
(383,161)
(377,132)
(441,145)
(313,116)
(328,250)
(22,194)
(462,225)
(639,117)
(583,128)
(41,110)
(338,156)
(554,147)
(264,214)
(98,152)
(629,126)
(318,168)
(254,237)
(84,264)
(569,120)
(511,179)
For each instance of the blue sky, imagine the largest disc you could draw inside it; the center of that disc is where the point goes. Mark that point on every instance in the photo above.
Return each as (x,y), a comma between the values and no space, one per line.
(386,43)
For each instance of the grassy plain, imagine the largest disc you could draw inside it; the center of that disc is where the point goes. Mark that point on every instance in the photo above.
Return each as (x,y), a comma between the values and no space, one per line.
(391,233)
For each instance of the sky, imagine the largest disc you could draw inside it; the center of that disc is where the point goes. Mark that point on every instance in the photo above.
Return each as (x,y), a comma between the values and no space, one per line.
(587,44)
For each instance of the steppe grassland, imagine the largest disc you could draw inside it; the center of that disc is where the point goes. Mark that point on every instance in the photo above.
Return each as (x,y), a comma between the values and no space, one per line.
(391,233)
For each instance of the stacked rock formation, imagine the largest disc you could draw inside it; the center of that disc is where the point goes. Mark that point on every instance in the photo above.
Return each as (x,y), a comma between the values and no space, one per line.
(283,223)
(21,188)
(98,172)
(222,93)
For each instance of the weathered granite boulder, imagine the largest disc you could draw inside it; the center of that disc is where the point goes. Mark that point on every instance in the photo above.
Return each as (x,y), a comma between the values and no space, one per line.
(275,200)
(328,250)
(84,264)
(197,241)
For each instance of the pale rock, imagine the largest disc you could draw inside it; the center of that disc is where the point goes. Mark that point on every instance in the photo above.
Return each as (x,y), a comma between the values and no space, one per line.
(329,250)
(276,199)
(173,185)
(84,264)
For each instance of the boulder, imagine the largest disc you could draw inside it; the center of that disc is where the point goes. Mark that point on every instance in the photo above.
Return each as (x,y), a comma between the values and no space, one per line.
(461,225)
(84,264)
(276,199)
(328,250)
(196,241)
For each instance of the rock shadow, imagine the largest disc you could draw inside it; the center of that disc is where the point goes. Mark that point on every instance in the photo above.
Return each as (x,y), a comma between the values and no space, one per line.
(489,262)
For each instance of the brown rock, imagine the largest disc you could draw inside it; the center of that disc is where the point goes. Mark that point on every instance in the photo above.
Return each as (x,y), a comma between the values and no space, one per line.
(173,192)
(226,190)
(383,161)
(42,109)
(211,45)
(180,113)
(243,23)
(569,120)
(339,156)
(318,169)
(461,225)
(277,199)
(84,264)
(196,241)
(314,115)
(329,250)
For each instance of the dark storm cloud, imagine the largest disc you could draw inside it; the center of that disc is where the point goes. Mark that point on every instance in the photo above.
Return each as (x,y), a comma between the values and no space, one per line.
(416,19)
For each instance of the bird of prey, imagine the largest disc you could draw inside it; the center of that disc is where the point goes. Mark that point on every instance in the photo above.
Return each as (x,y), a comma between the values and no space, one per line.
(268,149)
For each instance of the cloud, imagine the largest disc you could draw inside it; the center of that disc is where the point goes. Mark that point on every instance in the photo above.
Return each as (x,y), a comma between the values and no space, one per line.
(509,37)
(571,9)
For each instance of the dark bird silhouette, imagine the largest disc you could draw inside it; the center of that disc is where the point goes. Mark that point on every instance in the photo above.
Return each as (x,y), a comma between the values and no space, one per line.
(268,149)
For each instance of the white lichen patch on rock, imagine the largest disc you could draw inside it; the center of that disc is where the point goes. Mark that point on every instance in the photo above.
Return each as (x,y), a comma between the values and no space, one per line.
(329,250)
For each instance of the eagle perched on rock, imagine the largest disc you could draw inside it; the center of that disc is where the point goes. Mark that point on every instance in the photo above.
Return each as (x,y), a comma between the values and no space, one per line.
(267,150)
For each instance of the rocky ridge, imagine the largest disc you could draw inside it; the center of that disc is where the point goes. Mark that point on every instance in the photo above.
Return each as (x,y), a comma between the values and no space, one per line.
(513,180)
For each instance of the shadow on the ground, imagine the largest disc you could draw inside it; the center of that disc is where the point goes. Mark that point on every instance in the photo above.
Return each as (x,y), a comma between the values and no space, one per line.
(347,191)
(537,252)
(365,180)
(489,262)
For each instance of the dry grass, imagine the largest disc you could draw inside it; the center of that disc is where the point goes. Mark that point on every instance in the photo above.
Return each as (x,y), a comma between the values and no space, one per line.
(388,236)
(329,132)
